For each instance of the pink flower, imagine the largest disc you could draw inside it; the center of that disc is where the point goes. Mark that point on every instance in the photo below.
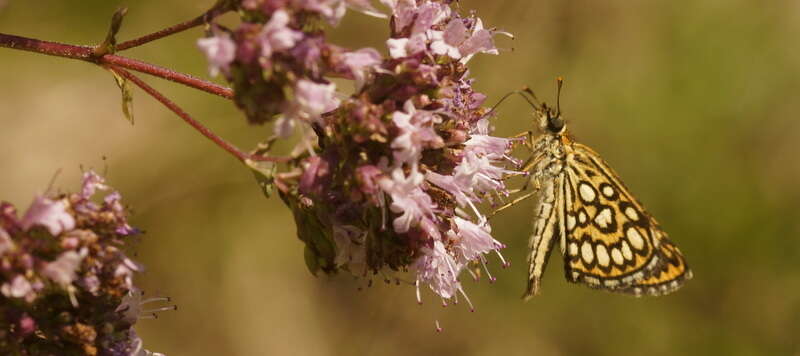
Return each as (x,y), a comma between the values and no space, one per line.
(62,270)
(423,16)
(114,202)
(416,133)
(6,244)
(331,10)
(92,182)
(472,241)
(276,36)
(458,186)
(403,11)
(484,176)
(313,99)
(360,62)
(397,47)
(19,287)
(51,214)
(480,142)
(439,270)
(220,51)
(126,270)
(408,199)
(403,47)
(479,42)
(446,42)
(457,42)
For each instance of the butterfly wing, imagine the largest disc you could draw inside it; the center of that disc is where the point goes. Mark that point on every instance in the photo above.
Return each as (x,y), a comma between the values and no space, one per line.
(610,241)
(548,227)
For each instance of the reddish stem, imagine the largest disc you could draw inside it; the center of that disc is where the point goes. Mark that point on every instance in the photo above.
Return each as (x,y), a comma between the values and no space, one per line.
(241,156)
(217,10)
(167,74)
(85,53)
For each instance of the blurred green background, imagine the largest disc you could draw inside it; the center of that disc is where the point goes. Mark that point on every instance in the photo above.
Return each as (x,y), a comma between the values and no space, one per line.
(693,102)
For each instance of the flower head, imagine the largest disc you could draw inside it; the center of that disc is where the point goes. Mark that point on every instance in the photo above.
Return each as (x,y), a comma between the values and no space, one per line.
(391,176)
(62,284)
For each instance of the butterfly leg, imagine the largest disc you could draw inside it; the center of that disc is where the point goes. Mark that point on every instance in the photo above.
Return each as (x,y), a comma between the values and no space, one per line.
(512,203)
(536,184)
(529,165)
(528,141)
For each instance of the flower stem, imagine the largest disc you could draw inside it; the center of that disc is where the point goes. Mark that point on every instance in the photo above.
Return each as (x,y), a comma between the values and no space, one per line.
(220,8)
(85,53)
(167,74)
(241,156)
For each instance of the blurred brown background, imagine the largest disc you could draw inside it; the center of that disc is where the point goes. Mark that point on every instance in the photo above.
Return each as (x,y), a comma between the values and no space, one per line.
(693,102)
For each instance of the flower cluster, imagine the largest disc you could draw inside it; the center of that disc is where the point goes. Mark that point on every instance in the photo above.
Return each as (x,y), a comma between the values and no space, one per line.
(277,59)
(64,277)
(397,171)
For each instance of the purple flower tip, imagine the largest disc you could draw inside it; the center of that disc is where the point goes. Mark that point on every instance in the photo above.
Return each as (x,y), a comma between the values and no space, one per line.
(48,213)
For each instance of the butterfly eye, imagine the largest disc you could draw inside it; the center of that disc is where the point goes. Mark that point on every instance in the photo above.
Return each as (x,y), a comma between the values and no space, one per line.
(555,124)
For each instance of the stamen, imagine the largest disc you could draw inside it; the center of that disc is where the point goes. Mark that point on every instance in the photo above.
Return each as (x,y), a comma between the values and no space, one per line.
(483,263)
(155,299)
(475,276)
(500,255)
(152,311)
(438,328)
(419,297)
(471,307)
(504,33)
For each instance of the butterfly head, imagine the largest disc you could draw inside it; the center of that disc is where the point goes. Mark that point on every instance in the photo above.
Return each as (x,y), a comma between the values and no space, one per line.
(548,118)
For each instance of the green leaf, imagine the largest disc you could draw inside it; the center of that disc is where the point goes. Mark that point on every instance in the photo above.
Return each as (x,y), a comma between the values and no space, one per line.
(264,172)
(111,37)
(127,95)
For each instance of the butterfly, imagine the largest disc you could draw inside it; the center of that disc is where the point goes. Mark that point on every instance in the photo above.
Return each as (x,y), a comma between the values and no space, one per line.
(608,240)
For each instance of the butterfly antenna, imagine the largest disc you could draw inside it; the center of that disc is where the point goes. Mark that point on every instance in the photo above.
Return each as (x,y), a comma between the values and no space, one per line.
(525,90)
(560,81)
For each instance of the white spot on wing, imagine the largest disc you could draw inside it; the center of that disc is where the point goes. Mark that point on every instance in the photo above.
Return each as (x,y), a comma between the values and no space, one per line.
(626,251)
(602,255)
(603,218)
(587,193)
(586,252)
(573,249)
(635,238)
(616,255)
(608,191)
(630,212)
(570,222)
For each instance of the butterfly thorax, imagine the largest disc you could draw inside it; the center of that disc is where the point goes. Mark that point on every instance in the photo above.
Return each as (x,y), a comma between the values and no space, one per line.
(552,147)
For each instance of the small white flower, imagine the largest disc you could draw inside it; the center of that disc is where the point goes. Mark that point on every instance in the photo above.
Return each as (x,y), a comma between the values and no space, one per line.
(276,36)
(18,288)
(48,213)
(220,50)
(439,270)
(62,271)
(408,199)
